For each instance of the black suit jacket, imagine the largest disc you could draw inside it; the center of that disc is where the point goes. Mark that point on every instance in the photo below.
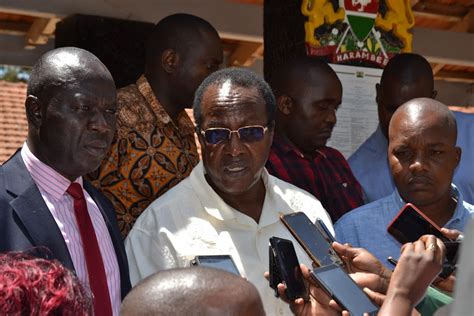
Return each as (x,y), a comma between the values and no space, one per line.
(26,222)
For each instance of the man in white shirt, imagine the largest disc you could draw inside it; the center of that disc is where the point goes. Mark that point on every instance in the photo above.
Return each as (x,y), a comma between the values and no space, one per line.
(229,204)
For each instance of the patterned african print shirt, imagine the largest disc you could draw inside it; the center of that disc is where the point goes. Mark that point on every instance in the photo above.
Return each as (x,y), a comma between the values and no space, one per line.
(149,155)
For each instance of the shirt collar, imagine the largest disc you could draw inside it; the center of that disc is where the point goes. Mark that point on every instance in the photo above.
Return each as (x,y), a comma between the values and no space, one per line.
(45,177)
(185,125)
(215,206)
(455,193)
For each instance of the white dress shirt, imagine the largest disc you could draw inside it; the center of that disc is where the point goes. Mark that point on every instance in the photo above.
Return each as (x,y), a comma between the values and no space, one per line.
(52,187)
(191,219)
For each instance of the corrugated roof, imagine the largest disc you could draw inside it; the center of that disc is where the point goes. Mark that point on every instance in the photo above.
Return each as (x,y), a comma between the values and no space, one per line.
(13,124)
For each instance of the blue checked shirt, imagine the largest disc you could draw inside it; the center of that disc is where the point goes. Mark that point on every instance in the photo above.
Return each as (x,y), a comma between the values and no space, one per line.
(370,165)
(366,226)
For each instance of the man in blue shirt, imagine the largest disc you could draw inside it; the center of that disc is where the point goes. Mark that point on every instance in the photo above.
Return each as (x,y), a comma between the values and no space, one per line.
(407,76)
(422,156)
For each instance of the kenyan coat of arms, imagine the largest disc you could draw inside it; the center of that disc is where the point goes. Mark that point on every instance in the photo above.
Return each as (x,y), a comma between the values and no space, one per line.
(360,32)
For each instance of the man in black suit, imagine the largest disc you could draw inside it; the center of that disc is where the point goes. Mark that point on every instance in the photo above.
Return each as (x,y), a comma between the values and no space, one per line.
(44,203)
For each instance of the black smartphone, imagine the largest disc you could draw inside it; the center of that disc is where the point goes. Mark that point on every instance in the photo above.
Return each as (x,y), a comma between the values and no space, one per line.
(317,242)
(340,287)
(222,262)
(285,268)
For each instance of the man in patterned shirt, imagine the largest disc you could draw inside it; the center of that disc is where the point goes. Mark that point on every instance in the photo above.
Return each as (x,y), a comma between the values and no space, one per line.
(308,95)
(154,147)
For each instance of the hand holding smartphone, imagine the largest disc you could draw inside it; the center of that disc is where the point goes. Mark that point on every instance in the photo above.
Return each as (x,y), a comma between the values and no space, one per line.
(411,224)
(285,268)
(340,287)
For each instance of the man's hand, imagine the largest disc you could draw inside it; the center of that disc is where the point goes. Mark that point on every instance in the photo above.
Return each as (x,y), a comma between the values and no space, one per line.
(364,267)
(419,264)
(319,302)
(452,234)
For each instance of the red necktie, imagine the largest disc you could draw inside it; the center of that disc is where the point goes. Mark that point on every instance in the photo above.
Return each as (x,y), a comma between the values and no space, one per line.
(95,265)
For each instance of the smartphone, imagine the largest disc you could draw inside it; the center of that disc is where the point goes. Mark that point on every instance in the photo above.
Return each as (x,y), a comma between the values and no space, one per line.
(317,242)
(222,262)
(285,268)
(324,229)
(410,224)
(340,287)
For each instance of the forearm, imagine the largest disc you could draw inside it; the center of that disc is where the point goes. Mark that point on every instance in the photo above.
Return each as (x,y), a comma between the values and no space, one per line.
(397,302)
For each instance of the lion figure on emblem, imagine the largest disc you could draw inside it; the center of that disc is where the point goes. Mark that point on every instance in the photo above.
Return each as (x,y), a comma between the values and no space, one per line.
(400,19)
(318,13)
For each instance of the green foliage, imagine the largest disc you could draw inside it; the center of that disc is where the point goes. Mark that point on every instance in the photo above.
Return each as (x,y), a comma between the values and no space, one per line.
(14,73)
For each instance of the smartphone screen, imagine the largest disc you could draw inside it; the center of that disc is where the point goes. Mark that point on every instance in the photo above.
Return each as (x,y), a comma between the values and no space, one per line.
(222,262)
(410,224)
(288,268)
(311,239)
(340,286)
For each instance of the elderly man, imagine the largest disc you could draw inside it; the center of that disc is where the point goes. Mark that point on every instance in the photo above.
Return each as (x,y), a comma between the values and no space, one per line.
(154,147)
(229,204)
(44,201)
(308,94)
(423,156)
(407,76)
(193,291)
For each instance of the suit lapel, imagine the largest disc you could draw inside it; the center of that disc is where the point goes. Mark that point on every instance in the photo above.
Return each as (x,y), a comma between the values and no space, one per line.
(28,204)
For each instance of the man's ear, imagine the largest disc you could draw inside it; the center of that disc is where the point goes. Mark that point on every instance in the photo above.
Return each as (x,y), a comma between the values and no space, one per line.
(434,94)
(33,111)
(458,155)
(284,104)
(169,60)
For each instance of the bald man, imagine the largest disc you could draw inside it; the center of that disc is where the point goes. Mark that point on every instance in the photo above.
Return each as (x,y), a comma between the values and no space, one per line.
(45,204)
(193,291)
(308,94)
(405,77)
(154,148)
(422,155)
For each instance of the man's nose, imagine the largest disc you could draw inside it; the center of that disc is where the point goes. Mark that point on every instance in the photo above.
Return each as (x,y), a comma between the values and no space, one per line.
(100,123)
(418,163)
(331,117)
(235,145)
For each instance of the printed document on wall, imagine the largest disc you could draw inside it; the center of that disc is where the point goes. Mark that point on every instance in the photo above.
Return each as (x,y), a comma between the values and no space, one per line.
(357,116)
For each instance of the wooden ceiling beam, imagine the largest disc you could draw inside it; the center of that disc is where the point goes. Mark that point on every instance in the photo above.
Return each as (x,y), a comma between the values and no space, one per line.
(436,8)
(40,31)
(245,54)
(436,68)
(455,76)
(466,24)
(13,27)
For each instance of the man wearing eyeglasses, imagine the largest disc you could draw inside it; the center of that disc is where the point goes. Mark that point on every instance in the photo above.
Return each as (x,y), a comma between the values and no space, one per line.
(229,205)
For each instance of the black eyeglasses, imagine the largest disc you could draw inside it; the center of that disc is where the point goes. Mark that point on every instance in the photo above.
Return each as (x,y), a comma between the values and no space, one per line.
(251,133)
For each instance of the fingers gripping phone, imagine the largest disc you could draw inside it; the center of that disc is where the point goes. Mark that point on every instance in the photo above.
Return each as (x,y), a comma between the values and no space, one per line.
(285,268)
(340,287)
(315,239)
(410,224)
(222,262)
